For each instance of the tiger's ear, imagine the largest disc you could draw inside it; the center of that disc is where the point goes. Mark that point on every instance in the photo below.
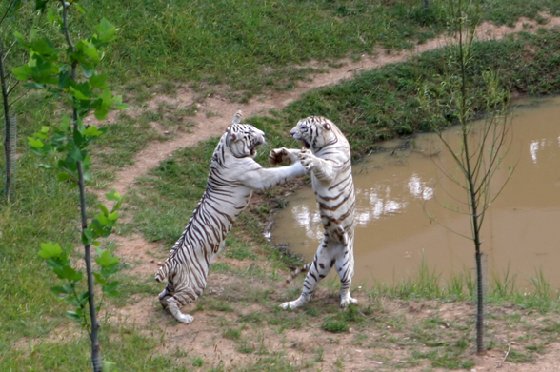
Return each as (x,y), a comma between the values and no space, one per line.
(231,136)
(327,126)
(236,119)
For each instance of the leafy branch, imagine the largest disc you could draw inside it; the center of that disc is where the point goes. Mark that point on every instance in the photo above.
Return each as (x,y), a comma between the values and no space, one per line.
(69,74)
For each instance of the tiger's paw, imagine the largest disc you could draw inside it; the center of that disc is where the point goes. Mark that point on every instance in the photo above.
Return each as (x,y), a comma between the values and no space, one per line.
(288,305)
(177,314)
(302,300)
(307,159)
(344,303)
(184,318)
(283,155)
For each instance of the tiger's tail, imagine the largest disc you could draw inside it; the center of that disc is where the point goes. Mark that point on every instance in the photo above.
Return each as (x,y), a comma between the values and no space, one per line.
(298,270)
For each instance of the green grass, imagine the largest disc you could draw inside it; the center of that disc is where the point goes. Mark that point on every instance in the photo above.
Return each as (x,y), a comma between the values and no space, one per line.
(253,46)
(74,355)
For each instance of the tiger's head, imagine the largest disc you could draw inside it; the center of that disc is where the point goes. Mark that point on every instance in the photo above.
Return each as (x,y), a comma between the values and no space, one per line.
(243,139)
(315,132)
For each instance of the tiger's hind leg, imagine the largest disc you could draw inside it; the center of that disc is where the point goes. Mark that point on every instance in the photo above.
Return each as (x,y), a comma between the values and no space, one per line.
(173,307)
(174,296)
(345,270)
(318,270)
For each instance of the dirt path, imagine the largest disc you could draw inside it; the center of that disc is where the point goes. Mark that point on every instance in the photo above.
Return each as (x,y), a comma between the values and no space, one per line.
(213,114)
(212,118)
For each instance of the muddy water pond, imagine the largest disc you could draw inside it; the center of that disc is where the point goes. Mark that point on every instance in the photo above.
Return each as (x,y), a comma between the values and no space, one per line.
(407,209)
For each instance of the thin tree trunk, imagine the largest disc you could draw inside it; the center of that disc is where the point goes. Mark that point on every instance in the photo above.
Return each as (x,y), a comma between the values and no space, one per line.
(479,302)
(8,127)
(473,204)
(95,350)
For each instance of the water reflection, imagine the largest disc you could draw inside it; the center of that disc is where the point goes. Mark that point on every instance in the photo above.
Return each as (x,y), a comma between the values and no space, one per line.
(405,204)
(537,146)
(373,203)
(419,189)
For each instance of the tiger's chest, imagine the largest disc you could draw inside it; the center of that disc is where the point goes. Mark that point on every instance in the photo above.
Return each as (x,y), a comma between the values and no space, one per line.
(336,203)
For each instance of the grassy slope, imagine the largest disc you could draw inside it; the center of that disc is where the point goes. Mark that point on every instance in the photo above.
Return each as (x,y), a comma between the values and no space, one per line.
(243,42)
(248,46)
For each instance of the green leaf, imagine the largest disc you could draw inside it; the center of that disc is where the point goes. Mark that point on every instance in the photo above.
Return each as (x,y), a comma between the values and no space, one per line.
(93,131)
(102,220)
(104,209)
(64,79)
(43,70)
(99,278)
(35,143)
(81,91)
(103,104)
(75,154)
(64,176)
(43,47)
(83,298)
(98,81)
(111,289)
(105,32)
(105,258)
(60,290)
(113,196)
(113,217)
(22,72)
(67,272)
(50,250)
(86,54)
(75,315)
(118,103)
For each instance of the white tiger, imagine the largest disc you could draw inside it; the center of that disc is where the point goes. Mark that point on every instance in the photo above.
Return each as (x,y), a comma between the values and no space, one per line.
(233,176)
(327,158)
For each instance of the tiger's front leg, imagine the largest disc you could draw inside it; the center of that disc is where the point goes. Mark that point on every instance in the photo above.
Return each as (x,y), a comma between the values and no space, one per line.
(322,169)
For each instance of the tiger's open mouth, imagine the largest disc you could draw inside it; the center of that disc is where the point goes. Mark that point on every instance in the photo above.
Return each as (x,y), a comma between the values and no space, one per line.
(305,143)
(253,148)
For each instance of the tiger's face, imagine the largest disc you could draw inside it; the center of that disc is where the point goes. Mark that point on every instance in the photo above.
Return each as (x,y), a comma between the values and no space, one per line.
(243,139)
(314,132)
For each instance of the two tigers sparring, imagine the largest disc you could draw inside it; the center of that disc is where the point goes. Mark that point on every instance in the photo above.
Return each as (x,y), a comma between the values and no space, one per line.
(234,175)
